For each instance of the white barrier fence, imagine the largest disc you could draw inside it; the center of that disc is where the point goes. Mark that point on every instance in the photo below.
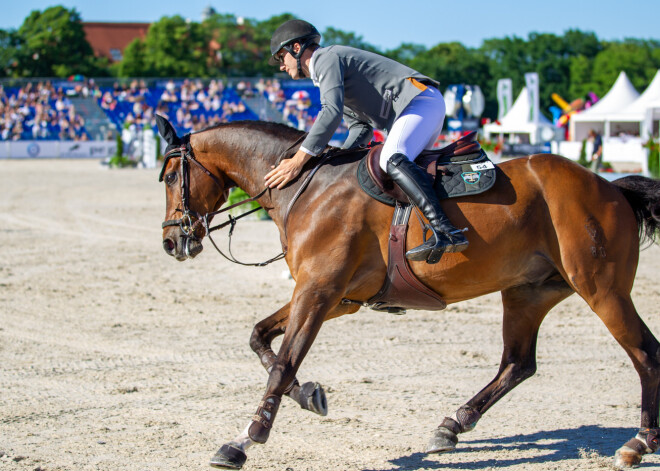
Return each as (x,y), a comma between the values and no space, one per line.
(57,149)
(138,145)
(629,151)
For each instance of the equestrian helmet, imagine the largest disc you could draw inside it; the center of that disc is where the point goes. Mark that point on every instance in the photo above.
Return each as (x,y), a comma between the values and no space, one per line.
(293,31)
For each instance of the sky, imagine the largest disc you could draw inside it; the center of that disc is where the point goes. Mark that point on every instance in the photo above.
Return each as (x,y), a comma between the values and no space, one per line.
(387,24)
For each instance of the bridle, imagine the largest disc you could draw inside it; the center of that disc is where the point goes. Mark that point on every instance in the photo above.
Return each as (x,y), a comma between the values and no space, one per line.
(186,222)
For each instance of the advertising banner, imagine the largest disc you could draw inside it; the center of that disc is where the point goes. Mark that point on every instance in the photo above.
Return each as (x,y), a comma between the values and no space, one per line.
(33,149)
(4,149)
(504,96)
(57,149)
(87,149)
(532,84)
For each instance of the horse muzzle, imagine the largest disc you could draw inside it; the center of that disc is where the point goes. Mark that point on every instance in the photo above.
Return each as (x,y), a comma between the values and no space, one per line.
(182,247)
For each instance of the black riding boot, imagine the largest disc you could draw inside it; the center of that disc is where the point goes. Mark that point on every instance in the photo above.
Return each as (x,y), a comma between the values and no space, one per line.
(415,183)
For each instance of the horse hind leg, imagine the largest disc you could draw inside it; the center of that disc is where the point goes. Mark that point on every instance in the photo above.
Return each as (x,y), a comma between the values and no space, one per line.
(622,320)
(525,307)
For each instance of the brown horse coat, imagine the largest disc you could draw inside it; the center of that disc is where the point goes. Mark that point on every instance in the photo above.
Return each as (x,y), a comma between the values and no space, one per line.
(547,229)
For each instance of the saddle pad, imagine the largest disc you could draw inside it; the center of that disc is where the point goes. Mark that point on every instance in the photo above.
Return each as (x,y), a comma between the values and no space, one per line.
(470,176)
(473,174)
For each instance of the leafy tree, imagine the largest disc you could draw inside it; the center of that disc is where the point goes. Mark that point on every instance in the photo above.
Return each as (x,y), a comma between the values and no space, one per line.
(579,43)
(637,58)
(134,61)
(53,43)
(406,52)
(336,36)
(565,63)
(173,47)
(10,43)
(453,63)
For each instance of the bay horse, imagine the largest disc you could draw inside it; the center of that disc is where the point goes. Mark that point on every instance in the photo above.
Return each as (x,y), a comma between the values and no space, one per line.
(547,229)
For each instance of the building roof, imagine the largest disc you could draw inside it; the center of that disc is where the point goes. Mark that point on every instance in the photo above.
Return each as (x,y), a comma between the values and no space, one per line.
(110,39)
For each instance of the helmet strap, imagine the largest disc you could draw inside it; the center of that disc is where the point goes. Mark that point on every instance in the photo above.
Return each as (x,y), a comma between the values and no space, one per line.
(303,45)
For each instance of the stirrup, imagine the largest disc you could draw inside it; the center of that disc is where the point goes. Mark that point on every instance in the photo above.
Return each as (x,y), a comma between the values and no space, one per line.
(458,242)
(440,242)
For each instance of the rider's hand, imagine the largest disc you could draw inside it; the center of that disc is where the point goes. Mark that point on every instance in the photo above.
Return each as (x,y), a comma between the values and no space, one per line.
(287,170)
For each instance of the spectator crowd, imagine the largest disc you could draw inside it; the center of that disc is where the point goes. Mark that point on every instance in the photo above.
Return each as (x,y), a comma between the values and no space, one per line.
(40,110)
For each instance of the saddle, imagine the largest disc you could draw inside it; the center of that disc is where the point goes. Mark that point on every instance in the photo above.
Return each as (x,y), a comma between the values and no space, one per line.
(459,169)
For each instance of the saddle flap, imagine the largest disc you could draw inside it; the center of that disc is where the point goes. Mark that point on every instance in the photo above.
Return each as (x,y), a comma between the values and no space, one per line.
(380,178)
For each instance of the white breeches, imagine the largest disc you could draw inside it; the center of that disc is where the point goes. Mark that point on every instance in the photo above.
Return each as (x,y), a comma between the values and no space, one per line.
(417,128)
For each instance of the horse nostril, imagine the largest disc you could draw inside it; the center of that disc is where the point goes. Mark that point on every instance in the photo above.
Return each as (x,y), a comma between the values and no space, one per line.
(169,246)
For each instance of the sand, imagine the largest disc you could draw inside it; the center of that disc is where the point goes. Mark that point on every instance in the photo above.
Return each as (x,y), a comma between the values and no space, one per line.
(114,356)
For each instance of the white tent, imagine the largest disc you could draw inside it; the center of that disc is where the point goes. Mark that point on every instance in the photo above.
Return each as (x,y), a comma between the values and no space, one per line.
(630,120)
(518,123)
(651,123)
(621,95)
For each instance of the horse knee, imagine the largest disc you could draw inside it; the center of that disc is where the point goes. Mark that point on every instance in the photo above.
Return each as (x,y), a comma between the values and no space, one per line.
(256,339)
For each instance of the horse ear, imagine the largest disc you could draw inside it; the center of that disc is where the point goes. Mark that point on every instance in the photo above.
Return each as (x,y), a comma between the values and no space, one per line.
(167,131)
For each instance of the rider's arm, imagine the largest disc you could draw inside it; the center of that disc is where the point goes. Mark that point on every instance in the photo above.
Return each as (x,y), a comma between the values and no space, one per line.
(359,132)
(329,69)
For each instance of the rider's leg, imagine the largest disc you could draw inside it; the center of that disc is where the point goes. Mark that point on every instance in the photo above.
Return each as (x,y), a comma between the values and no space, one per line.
(416,129)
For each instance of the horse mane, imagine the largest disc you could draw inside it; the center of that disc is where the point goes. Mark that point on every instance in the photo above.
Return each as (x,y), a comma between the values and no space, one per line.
(272,128)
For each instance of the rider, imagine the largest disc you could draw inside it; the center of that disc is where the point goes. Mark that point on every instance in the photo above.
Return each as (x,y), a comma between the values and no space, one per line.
(371,91)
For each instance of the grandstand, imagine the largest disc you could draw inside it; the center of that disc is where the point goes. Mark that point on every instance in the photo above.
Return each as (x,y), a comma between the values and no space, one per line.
(80,109)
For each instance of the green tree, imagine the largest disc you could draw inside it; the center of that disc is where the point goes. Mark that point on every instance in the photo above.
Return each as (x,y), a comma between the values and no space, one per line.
(453,63)
(134,60)
(565,64)
(10,43)
(639,59)
(581,77)
(406,52)
(346,38)
(173,47)
(53,43)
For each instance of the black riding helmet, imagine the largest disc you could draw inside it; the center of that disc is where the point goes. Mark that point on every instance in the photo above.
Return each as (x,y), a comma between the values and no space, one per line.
(290,32)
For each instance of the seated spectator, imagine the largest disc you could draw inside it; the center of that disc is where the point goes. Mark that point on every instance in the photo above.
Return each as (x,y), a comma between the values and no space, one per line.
(168,96)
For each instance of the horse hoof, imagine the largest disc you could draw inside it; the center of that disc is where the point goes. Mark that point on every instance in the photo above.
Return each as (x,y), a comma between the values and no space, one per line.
(312,398)
(228,457)
(443,440)
(626,457)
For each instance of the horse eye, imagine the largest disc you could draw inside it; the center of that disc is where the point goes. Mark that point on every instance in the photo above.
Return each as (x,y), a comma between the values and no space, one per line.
(170,178)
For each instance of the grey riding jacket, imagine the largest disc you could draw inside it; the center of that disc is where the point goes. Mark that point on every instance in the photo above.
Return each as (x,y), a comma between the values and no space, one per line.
(368,90)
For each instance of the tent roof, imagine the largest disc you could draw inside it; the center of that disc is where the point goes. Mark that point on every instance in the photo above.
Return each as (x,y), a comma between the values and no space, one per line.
(637,109)
(518,119)
(621,95)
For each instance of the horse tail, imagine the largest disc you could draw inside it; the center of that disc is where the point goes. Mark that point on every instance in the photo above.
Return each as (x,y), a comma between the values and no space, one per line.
(643,194)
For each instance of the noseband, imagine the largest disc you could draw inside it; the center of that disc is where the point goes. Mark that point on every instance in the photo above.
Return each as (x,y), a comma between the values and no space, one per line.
(186,222)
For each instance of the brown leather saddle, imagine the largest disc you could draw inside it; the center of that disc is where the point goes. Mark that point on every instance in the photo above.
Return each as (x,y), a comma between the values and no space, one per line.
(432,160)
(401,289)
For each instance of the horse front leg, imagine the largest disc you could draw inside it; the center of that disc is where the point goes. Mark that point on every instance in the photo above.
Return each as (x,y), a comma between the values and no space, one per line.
(310,396)
(308,309)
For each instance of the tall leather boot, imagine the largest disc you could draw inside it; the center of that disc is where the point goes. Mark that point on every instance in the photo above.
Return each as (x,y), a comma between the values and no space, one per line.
(417,186)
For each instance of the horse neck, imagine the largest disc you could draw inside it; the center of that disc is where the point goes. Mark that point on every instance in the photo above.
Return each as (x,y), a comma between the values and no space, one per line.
(245,152)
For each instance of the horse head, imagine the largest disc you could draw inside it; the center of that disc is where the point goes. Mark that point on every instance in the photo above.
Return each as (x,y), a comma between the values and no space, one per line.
(187,210)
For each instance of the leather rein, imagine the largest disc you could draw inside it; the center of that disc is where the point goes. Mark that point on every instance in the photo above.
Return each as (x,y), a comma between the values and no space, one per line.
(190,219)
